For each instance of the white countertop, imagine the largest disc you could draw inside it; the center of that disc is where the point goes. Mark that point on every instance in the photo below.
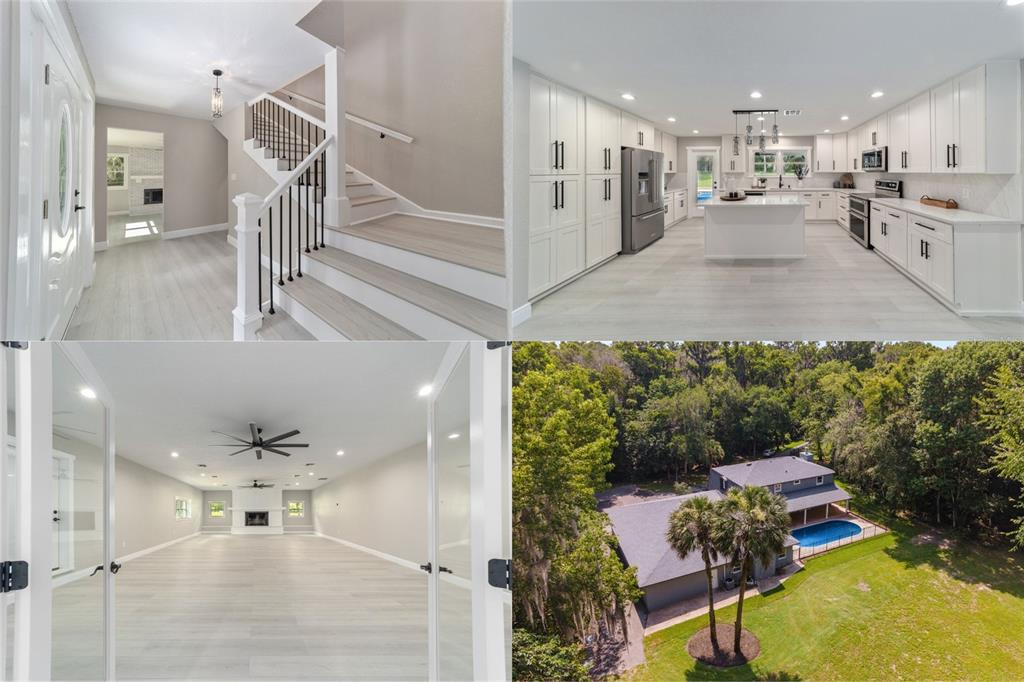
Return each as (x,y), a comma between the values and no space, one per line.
(757,201)
(946,215)
(798,189)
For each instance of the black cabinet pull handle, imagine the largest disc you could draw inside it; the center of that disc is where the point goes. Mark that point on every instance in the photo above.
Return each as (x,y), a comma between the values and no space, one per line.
(947,156)
(426,567)
(444,569)
(96,570)
(954,156)
(79,208)
(927,227)
(562,205)
(561,145)
(556,194)
(555,143)
(927,250)
(114,567)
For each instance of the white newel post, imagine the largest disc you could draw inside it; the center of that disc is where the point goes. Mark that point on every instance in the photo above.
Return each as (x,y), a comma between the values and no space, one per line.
(336,206)
(248,318)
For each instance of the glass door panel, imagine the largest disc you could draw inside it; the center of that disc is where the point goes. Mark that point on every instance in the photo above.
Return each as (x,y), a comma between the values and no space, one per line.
(8,507)
(454,586)
(706,178)
(78,525)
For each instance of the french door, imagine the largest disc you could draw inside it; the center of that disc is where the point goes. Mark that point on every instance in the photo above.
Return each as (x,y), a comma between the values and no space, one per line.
(704,176)
(469,506)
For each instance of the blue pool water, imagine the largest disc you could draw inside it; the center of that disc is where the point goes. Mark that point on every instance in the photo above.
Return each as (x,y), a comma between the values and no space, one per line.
(822,533)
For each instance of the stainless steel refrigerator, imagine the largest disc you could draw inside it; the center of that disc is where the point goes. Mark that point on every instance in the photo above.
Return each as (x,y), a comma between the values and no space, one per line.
(643,204)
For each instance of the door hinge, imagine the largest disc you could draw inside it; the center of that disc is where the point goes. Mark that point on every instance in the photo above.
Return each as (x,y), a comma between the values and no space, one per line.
(499,573)
(16,345)
(13,575)
(46,209)
(491,345)
(46,74)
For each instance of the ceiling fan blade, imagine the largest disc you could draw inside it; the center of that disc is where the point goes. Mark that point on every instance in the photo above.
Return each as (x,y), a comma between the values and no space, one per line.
(259,454)
(290,445)
(240,440)
(266,485)
(277,452)
(271,441)
(254,431)
(238,452)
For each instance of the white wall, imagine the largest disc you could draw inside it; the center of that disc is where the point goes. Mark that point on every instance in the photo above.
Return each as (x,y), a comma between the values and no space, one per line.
(220,522)
(296,522)
(144,507)
(382,506)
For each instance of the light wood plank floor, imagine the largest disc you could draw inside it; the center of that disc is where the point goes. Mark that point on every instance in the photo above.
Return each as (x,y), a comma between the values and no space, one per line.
(168,290)
(669,291)
(224,607)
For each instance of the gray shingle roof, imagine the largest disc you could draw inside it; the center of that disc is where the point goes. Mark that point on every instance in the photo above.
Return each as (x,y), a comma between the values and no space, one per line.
(815,497)
(772,470)
(641,531)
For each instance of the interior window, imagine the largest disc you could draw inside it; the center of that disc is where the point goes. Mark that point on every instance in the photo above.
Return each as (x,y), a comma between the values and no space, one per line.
(182,508)
(115,170)
(217,509)
(295,508)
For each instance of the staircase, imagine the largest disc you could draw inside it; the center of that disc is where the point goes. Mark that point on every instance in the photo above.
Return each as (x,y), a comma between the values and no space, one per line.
(393,272)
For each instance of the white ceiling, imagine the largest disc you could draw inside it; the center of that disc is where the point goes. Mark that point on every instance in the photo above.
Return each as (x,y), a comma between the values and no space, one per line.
(121,137)
(357,397)
(160,55)
(697,61)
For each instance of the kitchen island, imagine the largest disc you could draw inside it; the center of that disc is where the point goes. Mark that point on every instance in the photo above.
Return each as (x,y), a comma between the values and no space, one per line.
(755,227)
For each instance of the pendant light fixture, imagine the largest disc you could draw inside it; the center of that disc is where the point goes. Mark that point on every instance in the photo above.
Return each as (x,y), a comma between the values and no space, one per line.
(736,136)
(217,99)
(750,129)
(775,128)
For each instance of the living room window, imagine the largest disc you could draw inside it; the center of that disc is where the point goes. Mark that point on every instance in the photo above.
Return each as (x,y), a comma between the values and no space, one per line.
(182,508)
(115,170)
(217,510)
(296,508)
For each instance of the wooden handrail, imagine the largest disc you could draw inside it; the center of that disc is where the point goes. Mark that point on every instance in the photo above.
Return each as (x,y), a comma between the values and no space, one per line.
(283,186)
(402,137)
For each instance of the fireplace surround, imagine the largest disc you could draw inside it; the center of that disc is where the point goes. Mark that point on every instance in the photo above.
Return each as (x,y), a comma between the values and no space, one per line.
(257,518)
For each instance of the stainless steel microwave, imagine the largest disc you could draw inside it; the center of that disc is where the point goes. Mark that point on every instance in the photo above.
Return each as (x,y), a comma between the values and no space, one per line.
(875,160)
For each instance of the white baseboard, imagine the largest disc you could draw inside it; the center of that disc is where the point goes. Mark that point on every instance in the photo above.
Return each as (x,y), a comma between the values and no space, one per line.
(522,314)
(118,213)
(412,565)
(193,231)
(72,576)
(99,246)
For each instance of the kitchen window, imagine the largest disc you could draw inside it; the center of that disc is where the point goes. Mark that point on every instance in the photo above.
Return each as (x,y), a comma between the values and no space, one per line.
(786,161)
(217,510)
(765,163)
(296,508)
(182,508)
(115,170)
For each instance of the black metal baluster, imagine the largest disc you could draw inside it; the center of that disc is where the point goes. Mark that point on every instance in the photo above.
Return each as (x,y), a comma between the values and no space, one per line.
(323,190)
(270,234)
(309,176)
(259,264)
(291,210)
(280,239)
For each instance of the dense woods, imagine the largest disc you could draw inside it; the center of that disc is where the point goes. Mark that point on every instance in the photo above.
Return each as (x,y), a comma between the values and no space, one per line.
(935,434)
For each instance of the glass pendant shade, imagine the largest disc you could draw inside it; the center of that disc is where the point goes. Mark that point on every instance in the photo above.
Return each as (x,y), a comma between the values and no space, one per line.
(736,145)
(217,98)
(775,133)
(760,143)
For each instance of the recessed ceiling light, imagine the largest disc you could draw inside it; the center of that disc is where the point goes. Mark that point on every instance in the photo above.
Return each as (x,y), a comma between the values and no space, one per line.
(695,132)
(174,454)
(763,131)
(827,130)
(296,482)
(87,392)
(671,119)
(452,436)
(202,474)
(844,118)
(310,473)
(877,93)
(339,453)
(755,95)
(628,97)
(426,390)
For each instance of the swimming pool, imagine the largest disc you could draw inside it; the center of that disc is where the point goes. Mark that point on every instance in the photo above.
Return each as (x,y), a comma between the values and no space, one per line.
(823,533)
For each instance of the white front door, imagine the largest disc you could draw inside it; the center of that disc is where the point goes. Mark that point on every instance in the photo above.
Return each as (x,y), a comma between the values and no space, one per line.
(64,159)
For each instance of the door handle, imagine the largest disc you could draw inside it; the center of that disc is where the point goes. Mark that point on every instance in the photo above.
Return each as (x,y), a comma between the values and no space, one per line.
(426,567)
(947,156)
(114,567)
(96,570)
(78,208)
(444,569)
(561,145)
(555,143)
(556,194)
(954,156)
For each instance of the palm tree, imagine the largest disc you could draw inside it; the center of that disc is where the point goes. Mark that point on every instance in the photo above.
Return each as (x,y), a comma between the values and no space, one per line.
(753,527)
(693,527)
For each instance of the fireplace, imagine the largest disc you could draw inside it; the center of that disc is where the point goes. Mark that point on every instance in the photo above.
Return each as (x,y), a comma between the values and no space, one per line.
(154,195)
(257,518)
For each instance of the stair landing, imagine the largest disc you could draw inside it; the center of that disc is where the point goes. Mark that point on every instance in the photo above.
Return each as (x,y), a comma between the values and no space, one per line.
(473,246)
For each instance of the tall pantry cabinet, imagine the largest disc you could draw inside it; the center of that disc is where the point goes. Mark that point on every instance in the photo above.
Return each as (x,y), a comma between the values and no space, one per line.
(557,186)
(604,182)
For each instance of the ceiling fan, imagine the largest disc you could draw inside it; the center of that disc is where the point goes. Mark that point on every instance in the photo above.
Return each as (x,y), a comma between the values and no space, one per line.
(257,485)
(259,443)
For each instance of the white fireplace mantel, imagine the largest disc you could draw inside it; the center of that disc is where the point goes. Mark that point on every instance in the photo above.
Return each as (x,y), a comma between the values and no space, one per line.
(257,500)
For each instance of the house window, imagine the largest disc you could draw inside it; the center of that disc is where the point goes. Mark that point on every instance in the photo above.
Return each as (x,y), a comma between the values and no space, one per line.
(721,483)
(778,487)
(819,480)
(115,170)
(217,510)
(182,508)
(296,508)
(796,482)
(735,567)
(780,161)
(781,557)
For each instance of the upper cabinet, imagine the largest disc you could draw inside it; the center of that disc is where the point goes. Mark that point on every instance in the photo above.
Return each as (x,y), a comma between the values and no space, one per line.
(974,121)
(669,147)
(603,134)
(824,160)
(556,129)
(839,155)
(647,135)
(629,130)
(876,132)
(733,163)
(909,136)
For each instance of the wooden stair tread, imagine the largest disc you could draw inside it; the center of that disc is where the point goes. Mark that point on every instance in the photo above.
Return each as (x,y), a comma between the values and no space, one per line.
(347,316)
(472,246)
(356,183)
(368,199)
(483,318)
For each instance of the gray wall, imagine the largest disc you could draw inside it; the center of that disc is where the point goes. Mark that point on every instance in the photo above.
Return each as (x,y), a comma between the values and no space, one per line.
(216,522)
(304,496)
(144,507)
(382,506)
(195,167)
(431,70)
(714,481)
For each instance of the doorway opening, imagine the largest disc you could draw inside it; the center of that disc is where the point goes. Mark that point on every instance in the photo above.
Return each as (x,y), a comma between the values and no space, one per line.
(702,163)
(135,185)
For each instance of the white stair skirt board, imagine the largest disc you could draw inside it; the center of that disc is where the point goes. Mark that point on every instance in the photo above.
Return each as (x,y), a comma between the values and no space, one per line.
(470,281)
(419,321)
(411,565)
(193,231)
(72,576)
(99,246)
(522,314)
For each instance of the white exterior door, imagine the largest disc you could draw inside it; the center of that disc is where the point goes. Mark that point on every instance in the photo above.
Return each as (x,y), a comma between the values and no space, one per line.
(703,170)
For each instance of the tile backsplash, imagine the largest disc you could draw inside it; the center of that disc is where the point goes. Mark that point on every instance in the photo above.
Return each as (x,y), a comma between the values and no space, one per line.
(997,195)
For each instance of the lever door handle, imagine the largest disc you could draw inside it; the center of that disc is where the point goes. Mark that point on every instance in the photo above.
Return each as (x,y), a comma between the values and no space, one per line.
(427,567)
(96,570)
(444,569)
(79,208)
(114,567)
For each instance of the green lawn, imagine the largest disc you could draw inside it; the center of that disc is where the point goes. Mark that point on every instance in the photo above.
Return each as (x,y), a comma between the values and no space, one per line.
(883,608)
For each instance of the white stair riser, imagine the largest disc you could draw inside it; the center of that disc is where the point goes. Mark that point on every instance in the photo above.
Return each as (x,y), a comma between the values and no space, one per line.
(469,281)
(414,318)
(362,191)
(377,209)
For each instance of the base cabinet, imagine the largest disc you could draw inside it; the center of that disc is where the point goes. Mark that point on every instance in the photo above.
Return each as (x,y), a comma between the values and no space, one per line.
(557,239)
(931,261)
(604,231)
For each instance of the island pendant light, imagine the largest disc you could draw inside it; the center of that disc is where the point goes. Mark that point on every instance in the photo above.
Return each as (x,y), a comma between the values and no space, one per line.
(217,99)
(736,136)
(775,128)
(750,129)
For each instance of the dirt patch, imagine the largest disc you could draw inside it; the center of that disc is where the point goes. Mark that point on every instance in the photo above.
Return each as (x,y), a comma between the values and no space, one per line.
(863,586)
(932,538)
(700,647)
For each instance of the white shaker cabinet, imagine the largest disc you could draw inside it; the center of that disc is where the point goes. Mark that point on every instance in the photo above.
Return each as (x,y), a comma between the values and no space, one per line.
(824,161)
(602,138)
(910,136)
(645,129)
(603,233)
(733,163)
(629,130)
(930,258)
(556,128)
(669,147)
(556,230)
(839,155)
